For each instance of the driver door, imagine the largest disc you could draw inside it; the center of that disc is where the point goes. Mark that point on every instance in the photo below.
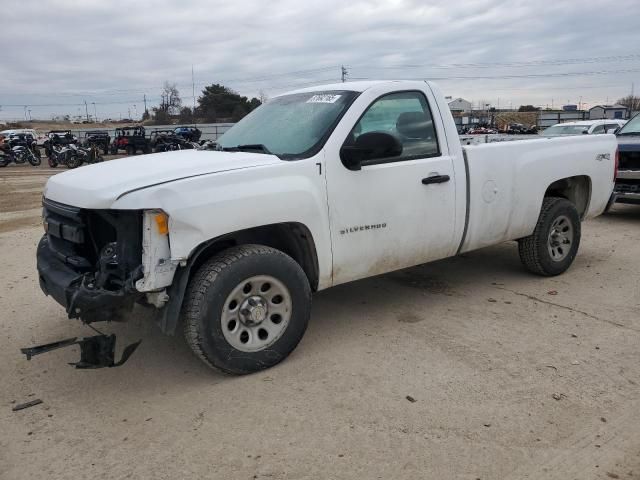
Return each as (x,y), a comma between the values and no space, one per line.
(394,212)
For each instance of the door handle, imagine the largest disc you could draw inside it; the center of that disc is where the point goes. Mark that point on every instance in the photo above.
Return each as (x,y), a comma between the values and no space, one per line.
(435,179)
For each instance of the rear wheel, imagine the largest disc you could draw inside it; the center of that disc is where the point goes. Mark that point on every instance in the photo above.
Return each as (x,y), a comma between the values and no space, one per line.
(246,309)
(553,245)
(52,162)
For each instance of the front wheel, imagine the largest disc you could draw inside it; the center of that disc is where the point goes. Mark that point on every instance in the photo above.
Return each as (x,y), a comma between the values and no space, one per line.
(246,309)
(35,157)
(553,245)
(74,161)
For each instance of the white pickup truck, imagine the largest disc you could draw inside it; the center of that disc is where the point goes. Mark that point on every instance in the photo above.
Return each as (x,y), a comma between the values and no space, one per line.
(317,187)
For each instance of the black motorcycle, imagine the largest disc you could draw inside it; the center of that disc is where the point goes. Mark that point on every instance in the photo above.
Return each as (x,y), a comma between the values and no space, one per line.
(20,149)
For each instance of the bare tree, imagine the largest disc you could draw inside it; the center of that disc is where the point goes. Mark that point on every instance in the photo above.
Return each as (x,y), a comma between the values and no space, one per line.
(631,102)
(262,96)
(171,101)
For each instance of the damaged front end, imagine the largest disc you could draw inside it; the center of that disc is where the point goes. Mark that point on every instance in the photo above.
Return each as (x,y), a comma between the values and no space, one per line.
(89,260)
(97,264)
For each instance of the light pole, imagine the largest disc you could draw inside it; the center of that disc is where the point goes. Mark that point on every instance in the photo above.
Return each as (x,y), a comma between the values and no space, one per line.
(135,111)
(95,113)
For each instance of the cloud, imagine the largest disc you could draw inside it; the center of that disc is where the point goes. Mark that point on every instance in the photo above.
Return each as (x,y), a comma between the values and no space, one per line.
(58,52)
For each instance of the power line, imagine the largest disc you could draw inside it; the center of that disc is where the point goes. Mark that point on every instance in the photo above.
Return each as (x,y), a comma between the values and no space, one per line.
(533,63)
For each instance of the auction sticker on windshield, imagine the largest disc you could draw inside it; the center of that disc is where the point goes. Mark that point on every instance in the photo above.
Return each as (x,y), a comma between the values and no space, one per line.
(326,98)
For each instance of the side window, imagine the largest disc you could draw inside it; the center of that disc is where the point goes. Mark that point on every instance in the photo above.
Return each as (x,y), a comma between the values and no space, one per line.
(598,129)
(406,116)
(610,126)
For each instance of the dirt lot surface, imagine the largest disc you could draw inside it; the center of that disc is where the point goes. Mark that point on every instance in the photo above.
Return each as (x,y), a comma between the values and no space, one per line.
(463,369)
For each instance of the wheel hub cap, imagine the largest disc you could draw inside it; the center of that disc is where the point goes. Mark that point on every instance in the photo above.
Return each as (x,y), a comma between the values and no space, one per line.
(560,239)
(256,313)
(253,311)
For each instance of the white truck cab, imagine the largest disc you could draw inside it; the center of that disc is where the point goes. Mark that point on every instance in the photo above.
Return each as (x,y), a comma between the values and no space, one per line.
(317,187)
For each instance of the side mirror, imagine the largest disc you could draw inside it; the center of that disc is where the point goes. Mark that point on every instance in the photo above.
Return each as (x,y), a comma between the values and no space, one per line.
(613,130)
(370,146)
(585,132)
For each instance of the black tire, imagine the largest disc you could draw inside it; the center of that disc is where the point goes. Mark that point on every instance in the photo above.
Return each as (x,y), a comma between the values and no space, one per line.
(207,294)
(534,250)
(114,150)
(52,162)
(146,149)
(4,161)
(131,150)
(35,157)
(74,161)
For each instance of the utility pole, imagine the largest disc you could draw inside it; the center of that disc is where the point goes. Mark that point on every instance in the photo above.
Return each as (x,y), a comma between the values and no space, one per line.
(95,113)
(344,73)
(145,102)
(193,91)
(25,112)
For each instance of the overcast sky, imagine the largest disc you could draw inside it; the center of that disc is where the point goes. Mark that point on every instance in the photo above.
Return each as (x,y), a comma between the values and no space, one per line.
(57,54)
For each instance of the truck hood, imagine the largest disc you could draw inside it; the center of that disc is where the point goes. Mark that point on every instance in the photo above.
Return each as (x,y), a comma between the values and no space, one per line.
(98,186)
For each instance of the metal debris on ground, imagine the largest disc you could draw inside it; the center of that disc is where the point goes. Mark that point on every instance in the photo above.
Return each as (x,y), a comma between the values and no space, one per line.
(22,406)
(95,352)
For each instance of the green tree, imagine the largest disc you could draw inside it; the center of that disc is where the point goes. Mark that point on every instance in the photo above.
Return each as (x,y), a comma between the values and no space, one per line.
(218,102)
(186,115)
(527,108)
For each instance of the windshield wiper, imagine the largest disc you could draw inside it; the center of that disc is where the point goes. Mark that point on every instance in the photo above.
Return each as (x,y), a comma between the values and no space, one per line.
(249,146)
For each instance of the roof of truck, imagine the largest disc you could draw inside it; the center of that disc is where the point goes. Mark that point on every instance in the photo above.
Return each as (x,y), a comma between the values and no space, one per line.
(359,86)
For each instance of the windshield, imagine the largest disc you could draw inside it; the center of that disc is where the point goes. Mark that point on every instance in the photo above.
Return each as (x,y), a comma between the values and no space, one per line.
(632,127)
(565,130)
(291,126)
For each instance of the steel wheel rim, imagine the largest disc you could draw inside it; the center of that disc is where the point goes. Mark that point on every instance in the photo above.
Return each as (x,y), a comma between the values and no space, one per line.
(560,238)
(256,313)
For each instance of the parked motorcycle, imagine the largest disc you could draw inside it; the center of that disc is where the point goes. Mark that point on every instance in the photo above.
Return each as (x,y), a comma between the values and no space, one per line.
(20,149)
(73,156)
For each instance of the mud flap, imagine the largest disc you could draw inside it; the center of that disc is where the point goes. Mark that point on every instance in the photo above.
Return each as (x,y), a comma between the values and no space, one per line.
(95,352)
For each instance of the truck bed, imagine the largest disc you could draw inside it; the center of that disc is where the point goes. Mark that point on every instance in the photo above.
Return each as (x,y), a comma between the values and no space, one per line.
(506,183)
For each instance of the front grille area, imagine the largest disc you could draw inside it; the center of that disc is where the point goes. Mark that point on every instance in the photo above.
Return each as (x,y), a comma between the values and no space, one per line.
(629,161)
(80,237)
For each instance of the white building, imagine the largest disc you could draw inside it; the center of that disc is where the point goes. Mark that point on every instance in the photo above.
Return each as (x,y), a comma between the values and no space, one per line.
(600,112)
(460,105)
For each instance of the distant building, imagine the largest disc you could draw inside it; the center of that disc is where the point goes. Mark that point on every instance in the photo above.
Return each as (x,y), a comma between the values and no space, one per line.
(460,105)
(608,111)
(570,108)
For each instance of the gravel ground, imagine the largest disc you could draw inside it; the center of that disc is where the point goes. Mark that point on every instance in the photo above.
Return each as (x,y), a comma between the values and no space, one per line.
(462,369)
